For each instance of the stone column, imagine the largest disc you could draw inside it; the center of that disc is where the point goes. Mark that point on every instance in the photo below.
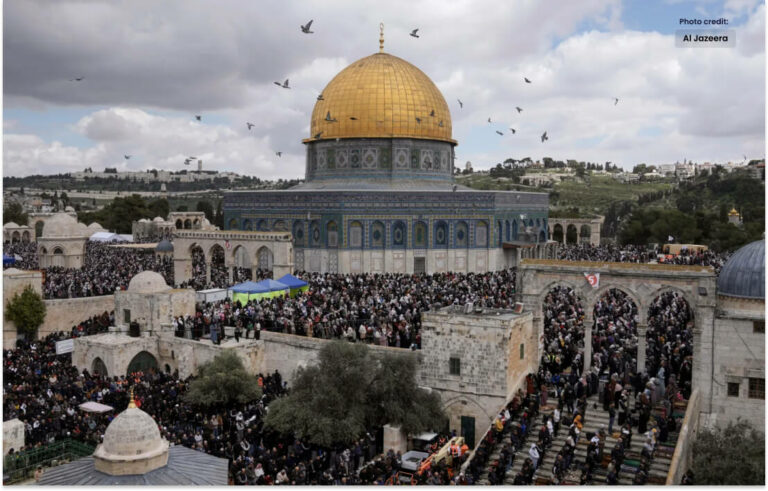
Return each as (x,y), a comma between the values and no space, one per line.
(230,274)
(641,328)
(588,322)
(208,272)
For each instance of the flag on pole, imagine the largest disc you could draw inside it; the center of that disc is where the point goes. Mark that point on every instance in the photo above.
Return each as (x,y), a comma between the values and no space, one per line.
(229,246)
(593,279)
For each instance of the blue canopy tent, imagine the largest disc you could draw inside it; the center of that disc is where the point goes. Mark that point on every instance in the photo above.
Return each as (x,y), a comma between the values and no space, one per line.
(296,285)
(7,260)
(256,291)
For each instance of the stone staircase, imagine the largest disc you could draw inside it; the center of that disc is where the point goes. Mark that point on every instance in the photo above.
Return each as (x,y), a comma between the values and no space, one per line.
(595,419)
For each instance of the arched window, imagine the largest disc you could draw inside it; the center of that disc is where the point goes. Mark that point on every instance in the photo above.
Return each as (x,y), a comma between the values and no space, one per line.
(264,258)
(279,226)
(441,234)
(507,230)
(298,234)
(314,229)
(356,234)
(499,228)
(420,235)
(261,225)
(377,234)
(247,224)
(462,234)
(481,234)
(332,234)
(514,229)
(232,224)
(187,223)
(399,235)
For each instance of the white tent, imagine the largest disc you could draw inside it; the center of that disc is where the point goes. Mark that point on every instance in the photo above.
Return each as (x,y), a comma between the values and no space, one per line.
(107,237)
(95,407)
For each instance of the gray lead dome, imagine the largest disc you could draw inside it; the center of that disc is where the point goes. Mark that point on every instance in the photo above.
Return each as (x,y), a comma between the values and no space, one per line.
(744,273)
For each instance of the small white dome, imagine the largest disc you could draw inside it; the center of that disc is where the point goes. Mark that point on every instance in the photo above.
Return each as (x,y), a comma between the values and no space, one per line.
(158,219)
(148,282)
(10,225)
(95,225)
(144,220)
(63,225)
(69,208)
(132,445)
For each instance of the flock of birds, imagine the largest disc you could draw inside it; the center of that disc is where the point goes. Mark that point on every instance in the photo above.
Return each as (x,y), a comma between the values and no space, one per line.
(306,29)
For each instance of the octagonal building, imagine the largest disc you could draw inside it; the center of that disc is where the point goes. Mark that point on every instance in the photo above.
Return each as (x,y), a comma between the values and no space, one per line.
(379,193)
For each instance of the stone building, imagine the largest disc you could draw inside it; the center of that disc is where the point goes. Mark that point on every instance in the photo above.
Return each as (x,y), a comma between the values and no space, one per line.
(151,302)
(476,361)
(737,366)
(13,232)
(379,193)
(63,241)
(156,229)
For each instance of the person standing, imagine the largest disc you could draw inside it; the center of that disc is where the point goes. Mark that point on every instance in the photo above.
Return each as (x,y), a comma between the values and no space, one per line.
(611,417)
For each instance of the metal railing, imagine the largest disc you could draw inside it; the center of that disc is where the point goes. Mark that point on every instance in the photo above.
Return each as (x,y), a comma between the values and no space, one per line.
(22,465)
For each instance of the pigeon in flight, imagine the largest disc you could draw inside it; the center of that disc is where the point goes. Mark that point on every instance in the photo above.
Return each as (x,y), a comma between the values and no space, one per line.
(615,100)
(499,132)
(198,117)
(461,104)
(305,29)
(279,154)
(432,113)
(413,33)
(519,109)
(250,125)
(283,85)
(353,118)
(441,123)
(126,157)
(77,79)
(745,157)
(329,119)
(526,80)
(454,188)
(320,97)
(544,137)
(418,120)
(318,134)
(512,130)
(489,120)
(187,161)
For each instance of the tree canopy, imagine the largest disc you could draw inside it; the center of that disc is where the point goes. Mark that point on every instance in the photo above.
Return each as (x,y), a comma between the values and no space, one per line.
(122,212)
(351,390)
(26,310)
(14,212)
(223,381)
(734,455)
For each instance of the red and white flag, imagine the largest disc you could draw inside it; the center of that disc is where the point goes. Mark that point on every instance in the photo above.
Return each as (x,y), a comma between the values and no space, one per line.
(229,246)
(593,279)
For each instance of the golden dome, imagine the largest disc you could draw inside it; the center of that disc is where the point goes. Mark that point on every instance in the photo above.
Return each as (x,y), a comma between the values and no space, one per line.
(385,95)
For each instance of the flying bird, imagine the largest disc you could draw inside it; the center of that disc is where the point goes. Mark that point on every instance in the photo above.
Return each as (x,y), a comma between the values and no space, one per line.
(198,117)
(191,158)
(305,29)
(432,113)
(318,134)
(441,123)
(499,132)
(329,119)
(461,104)
(745,157)
(489,120)
(186,161)
(353,118)
(615,100)
(320,97)
(413,33)
(418,120)
(283,85)
(454,188)
(250,125)
(526,80)
(77,79)
(519,109)
(126,157)
(279,154)
(544,137)
(512,130)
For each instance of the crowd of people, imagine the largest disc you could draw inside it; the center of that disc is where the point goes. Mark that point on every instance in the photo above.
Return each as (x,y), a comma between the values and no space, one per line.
(639,254)
(105,270)
(24,253)
(381,309)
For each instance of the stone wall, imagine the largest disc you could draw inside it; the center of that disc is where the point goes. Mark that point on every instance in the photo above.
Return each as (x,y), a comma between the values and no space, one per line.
(13,435)
(681,459)
(63,314)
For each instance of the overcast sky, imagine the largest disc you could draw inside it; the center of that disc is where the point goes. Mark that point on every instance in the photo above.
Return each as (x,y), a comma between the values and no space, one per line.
(150,66)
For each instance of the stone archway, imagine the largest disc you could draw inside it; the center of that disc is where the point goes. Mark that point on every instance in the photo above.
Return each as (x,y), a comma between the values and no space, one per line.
(585,234)
(199,266)
(615,316)
(242,265)
(571,234)
(98,367)
(219,273)
(144,361)
(557,233)
(264,258)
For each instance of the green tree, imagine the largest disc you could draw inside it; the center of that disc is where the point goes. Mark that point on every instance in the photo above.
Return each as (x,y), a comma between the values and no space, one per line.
(14,212)
(734,455)
(223,381)
(348,391)
(182,208)
(159,207)
(207,208)
(27,311)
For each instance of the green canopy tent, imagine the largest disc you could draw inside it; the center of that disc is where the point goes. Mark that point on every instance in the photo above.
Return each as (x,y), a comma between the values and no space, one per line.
(256,291)
(296,285)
